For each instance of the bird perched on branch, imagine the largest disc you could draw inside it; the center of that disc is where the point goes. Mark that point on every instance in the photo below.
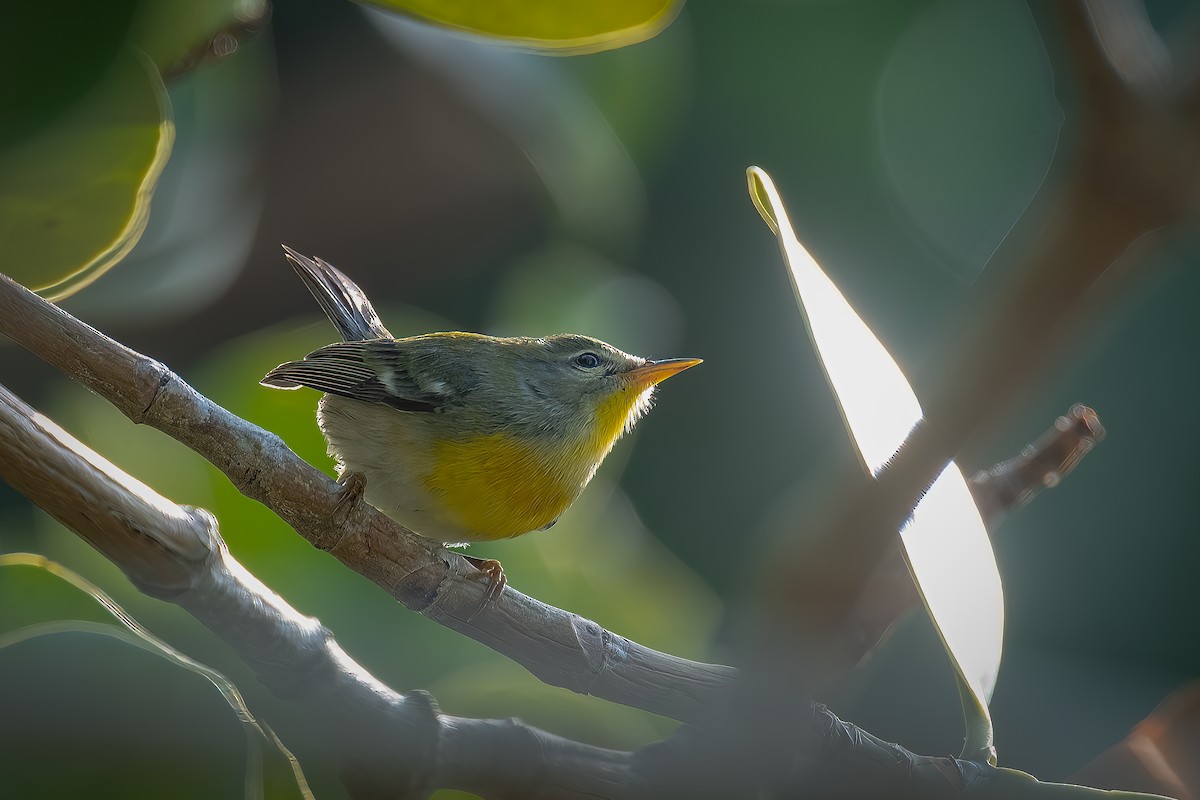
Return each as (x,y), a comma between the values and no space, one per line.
(462,437)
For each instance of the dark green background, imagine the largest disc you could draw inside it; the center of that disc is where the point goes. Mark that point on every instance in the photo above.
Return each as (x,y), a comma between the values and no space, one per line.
(606,194)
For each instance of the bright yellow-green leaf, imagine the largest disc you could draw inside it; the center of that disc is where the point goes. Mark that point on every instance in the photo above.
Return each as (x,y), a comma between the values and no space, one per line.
(562,27)
(75,198)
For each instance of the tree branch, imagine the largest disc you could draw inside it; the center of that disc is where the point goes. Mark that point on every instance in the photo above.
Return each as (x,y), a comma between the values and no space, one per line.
(1138,171)
(398,745)
(560,648)
(392,745)
(889,591)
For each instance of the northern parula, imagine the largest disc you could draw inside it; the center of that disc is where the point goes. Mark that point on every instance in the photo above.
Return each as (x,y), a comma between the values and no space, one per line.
(463,437)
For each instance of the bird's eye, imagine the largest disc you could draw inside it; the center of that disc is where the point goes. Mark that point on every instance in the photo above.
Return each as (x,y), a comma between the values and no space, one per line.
(587,360)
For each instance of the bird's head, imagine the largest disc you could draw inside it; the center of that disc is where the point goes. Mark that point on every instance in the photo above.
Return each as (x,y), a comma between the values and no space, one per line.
(595,388)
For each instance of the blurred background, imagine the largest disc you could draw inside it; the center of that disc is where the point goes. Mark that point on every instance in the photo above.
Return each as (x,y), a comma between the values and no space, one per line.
(467,186)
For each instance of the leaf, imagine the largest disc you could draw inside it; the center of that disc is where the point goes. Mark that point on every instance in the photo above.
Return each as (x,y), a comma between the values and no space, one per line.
(559,27)
(945,541)
(52,57)
(134,634)
(75,199)
(877,404)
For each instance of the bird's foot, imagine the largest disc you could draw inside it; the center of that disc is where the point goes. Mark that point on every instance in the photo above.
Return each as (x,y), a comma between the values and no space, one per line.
(496,580)
(353,484)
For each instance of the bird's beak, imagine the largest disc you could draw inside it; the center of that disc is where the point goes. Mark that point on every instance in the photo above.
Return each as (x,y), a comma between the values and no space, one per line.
(653,372)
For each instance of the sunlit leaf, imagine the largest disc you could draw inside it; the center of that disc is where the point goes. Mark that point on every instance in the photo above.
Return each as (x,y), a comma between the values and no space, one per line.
(876,401)
(75,198)
(945,541)
(564,27)
(951,559)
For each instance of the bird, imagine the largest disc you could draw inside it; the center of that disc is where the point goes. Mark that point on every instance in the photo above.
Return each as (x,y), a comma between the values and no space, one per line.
(465,437)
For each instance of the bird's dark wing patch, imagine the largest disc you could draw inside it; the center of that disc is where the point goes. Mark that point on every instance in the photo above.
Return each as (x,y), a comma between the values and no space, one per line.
(356,370)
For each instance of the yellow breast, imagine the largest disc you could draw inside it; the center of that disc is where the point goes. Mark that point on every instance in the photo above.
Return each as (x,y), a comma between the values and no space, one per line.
(498,486)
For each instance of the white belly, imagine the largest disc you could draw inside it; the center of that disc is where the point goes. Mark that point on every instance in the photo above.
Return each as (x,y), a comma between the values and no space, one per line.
(394,459)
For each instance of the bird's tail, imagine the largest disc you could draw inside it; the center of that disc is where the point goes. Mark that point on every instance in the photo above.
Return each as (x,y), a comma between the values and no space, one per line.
(343,302)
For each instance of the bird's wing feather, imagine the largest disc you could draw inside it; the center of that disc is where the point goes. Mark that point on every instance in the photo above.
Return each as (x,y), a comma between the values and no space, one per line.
(371,371)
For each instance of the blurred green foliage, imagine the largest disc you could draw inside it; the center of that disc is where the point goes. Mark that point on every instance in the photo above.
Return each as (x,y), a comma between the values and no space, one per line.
(60,57)
(597,554)
(87,128)
(120,626)
(509,194)
(559,26)
(938,144)
(75,198)
(208,201)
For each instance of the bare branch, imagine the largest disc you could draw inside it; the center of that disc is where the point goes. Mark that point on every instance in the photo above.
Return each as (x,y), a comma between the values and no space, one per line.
(1137,172)
(392,745)
(1014,483)
(1159,754)
(398,745)
(560,648)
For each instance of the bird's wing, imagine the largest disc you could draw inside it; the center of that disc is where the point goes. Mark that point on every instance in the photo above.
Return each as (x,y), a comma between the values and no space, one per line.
(343,302)
(372,371)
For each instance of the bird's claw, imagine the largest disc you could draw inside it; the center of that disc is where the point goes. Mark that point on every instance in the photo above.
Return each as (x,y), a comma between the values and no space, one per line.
(353,485)
(496,580)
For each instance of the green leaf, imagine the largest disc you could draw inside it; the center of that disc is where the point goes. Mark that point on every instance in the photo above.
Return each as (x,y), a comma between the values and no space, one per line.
(75,199)
(52,57)
(562,27)
(133,633)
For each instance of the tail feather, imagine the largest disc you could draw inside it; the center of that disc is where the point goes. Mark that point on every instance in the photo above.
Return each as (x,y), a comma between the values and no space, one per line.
(343,302)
